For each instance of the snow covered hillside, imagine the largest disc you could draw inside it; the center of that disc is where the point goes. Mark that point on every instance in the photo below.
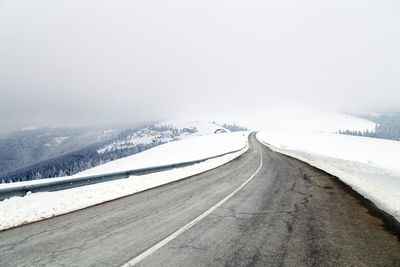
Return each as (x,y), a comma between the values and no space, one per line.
(370,166)
(163,132)
(200,127)
(125,142)
(20,210)
(297,119)
(189,149)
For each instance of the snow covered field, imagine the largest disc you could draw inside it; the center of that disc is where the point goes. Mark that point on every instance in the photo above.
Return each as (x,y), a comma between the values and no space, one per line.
(20,210)
(370,166)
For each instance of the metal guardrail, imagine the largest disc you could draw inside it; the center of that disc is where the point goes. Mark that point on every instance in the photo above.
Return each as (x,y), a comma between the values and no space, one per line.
(54,185)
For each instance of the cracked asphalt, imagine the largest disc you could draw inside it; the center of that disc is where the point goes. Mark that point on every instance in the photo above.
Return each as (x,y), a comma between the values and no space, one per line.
(290,214)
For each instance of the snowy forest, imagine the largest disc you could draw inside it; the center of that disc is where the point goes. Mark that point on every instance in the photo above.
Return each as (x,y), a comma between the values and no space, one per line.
(234,127)
(95,154)
(387,126)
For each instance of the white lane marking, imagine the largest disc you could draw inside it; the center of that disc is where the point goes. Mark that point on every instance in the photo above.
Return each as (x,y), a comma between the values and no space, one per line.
(166,240)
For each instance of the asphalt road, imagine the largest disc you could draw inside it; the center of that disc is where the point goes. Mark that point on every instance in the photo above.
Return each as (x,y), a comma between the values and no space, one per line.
(289,214)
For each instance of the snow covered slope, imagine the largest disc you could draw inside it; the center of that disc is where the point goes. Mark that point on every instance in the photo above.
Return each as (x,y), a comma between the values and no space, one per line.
(163,132)
(20,210)
(202,127)
(297,119)
(190,149)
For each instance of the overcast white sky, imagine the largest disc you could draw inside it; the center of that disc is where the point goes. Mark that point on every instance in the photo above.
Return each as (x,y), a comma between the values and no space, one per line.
(91,61)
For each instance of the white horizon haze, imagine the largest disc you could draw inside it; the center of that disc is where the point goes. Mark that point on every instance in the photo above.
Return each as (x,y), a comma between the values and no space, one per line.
(102,62)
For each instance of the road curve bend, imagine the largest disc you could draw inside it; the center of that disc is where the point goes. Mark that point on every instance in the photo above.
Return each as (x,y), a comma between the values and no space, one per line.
(261,209)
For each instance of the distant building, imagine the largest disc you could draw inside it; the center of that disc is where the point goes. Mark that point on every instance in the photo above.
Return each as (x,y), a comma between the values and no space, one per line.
(220,131)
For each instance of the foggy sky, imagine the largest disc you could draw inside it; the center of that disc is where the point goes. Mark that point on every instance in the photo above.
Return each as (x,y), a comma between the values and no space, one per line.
(91,61)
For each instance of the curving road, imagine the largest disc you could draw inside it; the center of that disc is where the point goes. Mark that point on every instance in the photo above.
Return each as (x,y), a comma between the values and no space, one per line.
(275,211)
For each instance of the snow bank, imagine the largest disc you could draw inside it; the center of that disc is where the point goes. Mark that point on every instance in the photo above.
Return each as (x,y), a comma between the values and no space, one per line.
(189,149)
(370,166)
(21,210)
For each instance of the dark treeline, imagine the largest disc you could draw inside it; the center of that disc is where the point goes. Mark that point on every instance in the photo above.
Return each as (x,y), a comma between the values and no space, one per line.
(70,163)
(26,147)
(88,157)
(234,127)
(387,126)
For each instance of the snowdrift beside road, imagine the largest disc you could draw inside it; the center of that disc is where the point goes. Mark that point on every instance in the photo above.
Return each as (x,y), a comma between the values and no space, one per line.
(370,166)
(190,149)
(21,210)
